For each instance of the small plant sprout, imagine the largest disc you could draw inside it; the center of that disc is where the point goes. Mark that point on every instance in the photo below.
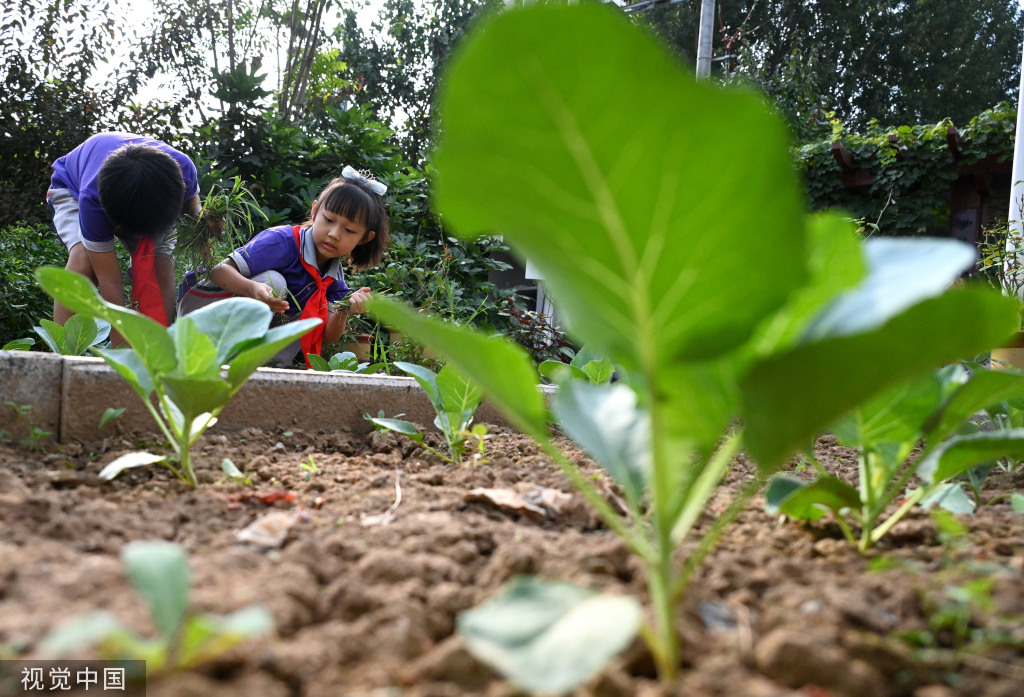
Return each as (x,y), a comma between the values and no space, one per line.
(35,435)
(723,339)
(227,213)
(159,573)
(184,374)
(76,337)
(22,344)
(310,466)
(110,413)
(455,400)
(232,473)
(935,409)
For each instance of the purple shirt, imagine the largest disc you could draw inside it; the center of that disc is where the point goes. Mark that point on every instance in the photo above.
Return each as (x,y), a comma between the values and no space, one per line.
(78,170)
(275,249)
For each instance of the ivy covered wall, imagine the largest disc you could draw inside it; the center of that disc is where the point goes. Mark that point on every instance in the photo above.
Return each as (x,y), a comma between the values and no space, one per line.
(916,180)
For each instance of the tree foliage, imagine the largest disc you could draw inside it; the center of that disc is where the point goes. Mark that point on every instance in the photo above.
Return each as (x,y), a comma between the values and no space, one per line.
(894,61)
(399,61)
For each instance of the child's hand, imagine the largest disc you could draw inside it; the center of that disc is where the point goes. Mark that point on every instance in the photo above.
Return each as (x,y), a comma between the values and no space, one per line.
(265,294)
(357,301)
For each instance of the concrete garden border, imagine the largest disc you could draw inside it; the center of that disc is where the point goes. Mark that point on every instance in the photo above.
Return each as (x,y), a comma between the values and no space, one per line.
(68,395)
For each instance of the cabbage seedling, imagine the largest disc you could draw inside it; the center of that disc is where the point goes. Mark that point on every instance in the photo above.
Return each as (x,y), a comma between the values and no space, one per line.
(455,400)
(935,409)
(181,372)
(669,228)
(76,337)
(160,574)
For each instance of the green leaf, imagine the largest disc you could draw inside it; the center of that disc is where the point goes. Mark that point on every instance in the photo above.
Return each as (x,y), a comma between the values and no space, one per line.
(897,415)
(262,350)
(205,637)
(634,191)
(404,427)
(901,273)
(127,363)
(1017,502)
(80,332)
(195,395)
(77,293)
(230,322)
(427,380)
(801,501)
(985,389)
(129,461)
(952,498)
(109,414)
(835,264)
(53,335)
(791,397)
(23,344)
(196,354)
(557,371)
(82,632)
(960,453)
(549,637)
(607,423)
(501,369)
(159,572)
(317,362)
(459,397)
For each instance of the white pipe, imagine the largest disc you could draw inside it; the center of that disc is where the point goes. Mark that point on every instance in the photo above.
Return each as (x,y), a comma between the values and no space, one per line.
(704,38)
(1014,255)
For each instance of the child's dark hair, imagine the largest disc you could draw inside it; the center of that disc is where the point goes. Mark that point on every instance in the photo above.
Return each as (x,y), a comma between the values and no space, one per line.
(141,190)
(353,199)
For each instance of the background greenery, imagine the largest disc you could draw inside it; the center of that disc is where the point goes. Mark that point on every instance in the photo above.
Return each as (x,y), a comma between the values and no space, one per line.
(282,95)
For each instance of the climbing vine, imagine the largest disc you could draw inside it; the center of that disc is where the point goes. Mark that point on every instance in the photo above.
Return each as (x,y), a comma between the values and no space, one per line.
(901,177)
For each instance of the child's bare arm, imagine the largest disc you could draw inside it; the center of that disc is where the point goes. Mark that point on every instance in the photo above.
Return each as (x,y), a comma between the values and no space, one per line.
(227,276)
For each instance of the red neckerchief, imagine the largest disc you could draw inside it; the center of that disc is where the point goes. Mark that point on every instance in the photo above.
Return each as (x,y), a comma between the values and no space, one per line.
(146,295)
(316,306)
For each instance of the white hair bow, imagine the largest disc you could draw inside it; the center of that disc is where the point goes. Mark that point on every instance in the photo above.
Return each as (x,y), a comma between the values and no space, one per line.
(375,186)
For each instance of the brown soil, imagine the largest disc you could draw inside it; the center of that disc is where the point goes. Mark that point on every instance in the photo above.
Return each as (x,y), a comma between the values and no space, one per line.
(364,608)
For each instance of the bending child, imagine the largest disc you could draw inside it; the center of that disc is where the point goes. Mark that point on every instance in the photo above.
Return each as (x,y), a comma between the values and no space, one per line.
(303,263)
(133,188)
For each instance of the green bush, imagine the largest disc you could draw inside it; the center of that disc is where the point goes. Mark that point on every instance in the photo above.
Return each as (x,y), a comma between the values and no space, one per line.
(23,247)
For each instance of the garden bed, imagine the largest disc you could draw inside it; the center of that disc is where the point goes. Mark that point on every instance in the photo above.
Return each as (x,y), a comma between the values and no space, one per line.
(365,606)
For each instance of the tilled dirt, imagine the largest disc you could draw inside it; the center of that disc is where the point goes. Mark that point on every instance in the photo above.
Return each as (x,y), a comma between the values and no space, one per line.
(364,601)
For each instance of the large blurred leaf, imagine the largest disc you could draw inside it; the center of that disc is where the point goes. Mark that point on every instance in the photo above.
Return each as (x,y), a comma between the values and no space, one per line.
(549,638)
(78,294)
(791,397)
(500,368)
(195,395)
(663,213)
